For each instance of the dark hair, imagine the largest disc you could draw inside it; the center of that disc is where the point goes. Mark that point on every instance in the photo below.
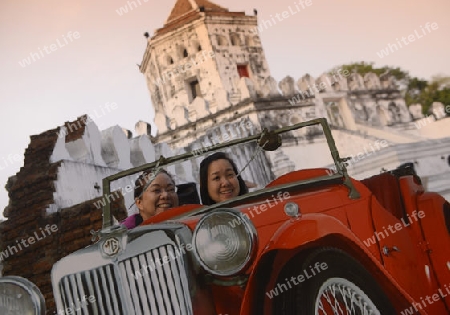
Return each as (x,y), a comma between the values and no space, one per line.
(142,181)
(204,165)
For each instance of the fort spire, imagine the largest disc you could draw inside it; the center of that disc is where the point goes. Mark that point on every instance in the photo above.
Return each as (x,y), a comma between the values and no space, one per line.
(183,7)
(196,65)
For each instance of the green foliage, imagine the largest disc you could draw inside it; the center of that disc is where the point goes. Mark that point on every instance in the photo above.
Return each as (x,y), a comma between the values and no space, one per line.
(426,93)
(417,91)
(443,81)
(367,67)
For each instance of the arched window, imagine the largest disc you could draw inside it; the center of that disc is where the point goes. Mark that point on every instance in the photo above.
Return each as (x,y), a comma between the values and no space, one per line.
(382,116)
(166,60)
(235,39)
(394,112)
(196,46)
(249,41)
(334,114)
(185,53)
(221,40)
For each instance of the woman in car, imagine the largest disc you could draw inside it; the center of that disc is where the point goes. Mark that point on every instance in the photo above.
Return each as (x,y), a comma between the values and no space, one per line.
(154,192)
(219,179)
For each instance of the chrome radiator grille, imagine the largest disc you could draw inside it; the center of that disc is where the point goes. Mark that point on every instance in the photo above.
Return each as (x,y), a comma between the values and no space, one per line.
(152,282)
(157,282)
(99,283)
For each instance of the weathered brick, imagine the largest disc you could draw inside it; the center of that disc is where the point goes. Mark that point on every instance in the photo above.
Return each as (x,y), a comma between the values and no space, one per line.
(72,235)
(31,192)
(42,265)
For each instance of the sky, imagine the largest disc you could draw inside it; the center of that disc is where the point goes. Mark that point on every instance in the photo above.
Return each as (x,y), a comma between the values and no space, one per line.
(86,54)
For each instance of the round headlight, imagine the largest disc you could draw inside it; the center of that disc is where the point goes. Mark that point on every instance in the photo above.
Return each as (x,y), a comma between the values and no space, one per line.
(20,296)
(224,242)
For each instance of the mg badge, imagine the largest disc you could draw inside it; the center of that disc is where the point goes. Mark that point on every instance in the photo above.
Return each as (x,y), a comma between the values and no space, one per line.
(111,246)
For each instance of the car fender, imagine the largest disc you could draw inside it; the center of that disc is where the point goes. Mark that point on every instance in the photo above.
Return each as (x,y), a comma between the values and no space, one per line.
(316,230)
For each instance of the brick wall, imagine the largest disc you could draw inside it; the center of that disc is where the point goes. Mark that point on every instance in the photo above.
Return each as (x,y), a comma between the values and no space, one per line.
(33,238)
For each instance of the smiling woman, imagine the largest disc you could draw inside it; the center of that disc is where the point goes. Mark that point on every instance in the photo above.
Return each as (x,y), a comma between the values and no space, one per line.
(219,179)
(154,192)
(157,195)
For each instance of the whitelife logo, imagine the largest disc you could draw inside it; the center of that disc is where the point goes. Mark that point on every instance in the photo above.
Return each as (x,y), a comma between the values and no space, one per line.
(394,228)
(84,121)
(428,300)
(192,63)
(216,140)
(161,261)
(130,4)
(379,144)
(25,242)
(407,40)
(305,275)
(282,16)
(316,88)
(12,158)
(71,36)
(281,196)
(75,308)
(441,112)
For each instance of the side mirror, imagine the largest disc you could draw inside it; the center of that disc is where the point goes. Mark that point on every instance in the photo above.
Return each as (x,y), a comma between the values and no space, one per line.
(269,141)
(20,296)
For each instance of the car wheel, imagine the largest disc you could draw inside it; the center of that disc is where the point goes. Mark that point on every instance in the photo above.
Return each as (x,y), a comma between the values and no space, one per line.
(328,282)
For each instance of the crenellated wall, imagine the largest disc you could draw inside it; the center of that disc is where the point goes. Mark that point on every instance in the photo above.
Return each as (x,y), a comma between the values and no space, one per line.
(345,99)
(49,214)
(348,100)
(85,160)
(79,148)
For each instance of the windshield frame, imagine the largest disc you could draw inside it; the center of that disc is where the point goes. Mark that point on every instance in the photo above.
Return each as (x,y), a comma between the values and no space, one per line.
(340,165)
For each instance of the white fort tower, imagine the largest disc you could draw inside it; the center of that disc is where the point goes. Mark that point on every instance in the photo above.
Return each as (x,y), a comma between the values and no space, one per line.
(210,82)
(199,66)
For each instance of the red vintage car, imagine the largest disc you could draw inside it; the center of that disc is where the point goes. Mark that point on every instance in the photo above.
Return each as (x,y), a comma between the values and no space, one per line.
(311,242)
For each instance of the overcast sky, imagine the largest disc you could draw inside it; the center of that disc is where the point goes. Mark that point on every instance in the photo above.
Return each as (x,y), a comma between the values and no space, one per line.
(95,52)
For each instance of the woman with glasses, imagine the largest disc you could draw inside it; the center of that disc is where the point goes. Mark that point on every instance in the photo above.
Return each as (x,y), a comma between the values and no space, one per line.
(154,192)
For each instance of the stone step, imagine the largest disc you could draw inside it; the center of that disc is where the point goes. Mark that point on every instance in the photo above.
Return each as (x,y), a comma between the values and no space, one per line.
(404,126)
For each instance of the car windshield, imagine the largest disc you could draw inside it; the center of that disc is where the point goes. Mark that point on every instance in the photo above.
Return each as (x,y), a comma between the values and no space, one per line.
(260,158)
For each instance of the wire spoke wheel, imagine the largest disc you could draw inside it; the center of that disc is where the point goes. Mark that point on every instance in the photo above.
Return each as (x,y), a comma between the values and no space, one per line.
(342,287)
(338,296)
